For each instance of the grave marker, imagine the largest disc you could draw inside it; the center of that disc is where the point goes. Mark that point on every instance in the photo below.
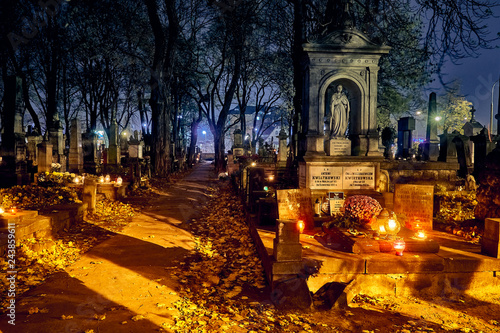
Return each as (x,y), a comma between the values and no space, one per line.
(416,202)
(295,204)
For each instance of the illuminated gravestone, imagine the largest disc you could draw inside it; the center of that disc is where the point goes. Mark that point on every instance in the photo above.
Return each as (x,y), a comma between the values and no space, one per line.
(416,202)
(295,204)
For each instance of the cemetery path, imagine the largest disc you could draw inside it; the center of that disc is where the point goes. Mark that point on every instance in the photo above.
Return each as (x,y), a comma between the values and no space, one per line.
(121,284)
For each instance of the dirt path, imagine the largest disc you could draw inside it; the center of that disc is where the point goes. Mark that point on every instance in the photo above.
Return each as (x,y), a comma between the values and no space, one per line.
(115,287)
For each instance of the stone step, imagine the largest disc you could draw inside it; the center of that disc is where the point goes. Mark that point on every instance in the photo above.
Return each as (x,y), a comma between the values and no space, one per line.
(30,224)
(21,215)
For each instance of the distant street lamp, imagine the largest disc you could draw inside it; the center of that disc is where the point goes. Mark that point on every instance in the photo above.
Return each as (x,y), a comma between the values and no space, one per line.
(205,134)
(491,110)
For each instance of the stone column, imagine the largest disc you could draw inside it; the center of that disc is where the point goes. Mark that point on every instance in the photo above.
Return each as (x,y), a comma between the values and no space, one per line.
(431,145)
(75,147)
(114,149)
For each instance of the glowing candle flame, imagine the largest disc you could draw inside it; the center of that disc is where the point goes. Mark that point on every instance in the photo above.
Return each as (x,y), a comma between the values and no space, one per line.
(301,225)
(119,181)
(2,210)
(421,234)
(101,179)
(13,210)
(107,179)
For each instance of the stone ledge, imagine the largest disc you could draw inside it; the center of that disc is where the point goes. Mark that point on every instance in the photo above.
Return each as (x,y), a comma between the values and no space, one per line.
(46,224)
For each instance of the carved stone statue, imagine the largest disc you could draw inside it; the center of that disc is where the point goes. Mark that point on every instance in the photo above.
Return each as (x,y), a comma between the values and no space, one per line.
(340,109)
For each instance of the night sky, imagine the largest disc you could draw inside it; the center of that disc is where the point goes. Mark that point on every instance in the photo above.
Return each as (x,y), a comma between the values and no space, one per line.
(477,76)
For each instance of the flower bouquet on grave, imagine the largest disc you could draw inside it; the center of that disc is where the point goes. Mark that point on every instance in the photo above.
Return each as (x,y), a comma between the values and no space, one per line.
(362,208)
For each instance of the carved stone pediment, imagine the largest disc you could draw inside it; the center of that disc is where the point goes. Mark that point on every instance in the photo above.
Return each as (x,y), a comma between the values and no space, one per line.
(345,38)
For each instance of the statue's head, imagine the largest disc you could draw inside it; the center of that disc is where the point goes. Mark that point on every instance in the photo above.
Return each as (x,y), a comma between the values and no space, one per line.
(339,88)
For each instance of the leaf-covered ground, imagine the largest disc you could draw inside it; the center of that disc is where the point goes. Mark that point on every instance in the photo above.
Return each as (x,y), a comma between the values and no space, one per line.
(38,258)
(221,285)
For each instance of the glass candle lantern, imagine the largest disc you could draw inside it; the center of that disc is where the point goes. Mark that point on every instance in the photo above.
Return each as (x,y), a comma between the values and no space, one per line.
(399,245)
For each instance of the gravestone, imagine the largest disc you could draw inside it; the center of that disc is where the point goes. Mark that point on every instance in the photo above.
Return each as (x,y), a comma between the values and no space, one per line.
(472,128)
(44,156)
(405,127)
(461,143)
(113,155)
(490,242)
(282,148)
(482,147)
(238,143)
(341,71)
(56,138)
(75,147)
(13,169)
(295,204)
(339,176)
(447,148)
(416,202)
(135,146)
(431,144)
(34,139)
(89,147)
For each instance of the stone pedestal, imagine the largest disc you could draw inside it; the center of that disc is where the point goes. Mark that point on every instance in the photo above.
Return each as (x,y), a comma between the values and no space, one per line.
(431,151)
(338,147)
(315,145)
(490,243)
(287,245)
